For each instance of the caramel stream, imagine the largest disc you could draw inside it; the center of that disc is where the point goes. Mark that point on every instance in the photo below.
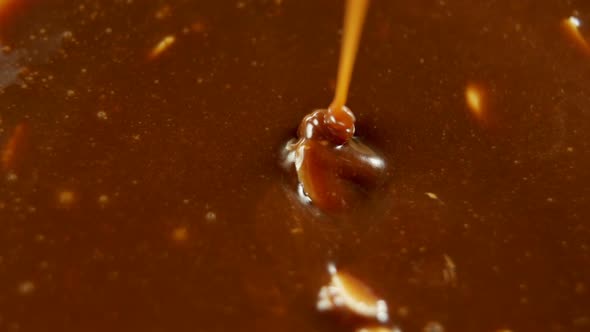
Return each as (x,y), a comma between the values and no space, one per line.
(353,26)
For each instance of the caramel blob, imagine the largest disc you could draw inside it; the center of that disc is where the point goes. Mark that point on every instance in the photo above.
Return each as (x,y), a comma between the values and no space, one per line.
(333,167)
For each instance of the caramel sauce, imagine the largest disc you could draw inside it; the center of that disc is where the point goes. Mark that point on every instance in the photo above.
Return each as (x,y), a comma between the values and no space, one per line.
(143,193)
(331,164)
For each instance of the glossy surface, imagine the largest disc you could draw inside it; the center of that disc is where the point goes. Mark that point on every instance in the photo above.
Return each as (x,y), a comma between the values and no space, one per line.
(145,192)
(335,170)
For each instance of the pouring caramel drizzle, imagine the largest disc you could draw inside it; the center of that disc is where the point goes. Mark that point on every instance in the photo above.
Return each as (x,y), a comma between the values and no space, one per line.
(334,169)
(354,18)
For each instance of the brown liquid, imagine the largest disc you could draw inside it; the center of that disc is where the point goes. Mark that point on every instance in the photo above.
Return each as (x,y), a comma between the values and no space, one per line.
(330,166)
(149,198)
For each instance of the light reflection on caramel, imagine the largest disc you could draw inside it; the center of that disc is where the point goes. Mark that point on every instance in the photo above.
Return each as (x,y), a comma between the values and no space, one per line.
(10,150)
(347,293)
(571,26)
(164,12)
(475,99)
(180,234)
(378,329)
(66,198)
(162,46)
(26,287)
